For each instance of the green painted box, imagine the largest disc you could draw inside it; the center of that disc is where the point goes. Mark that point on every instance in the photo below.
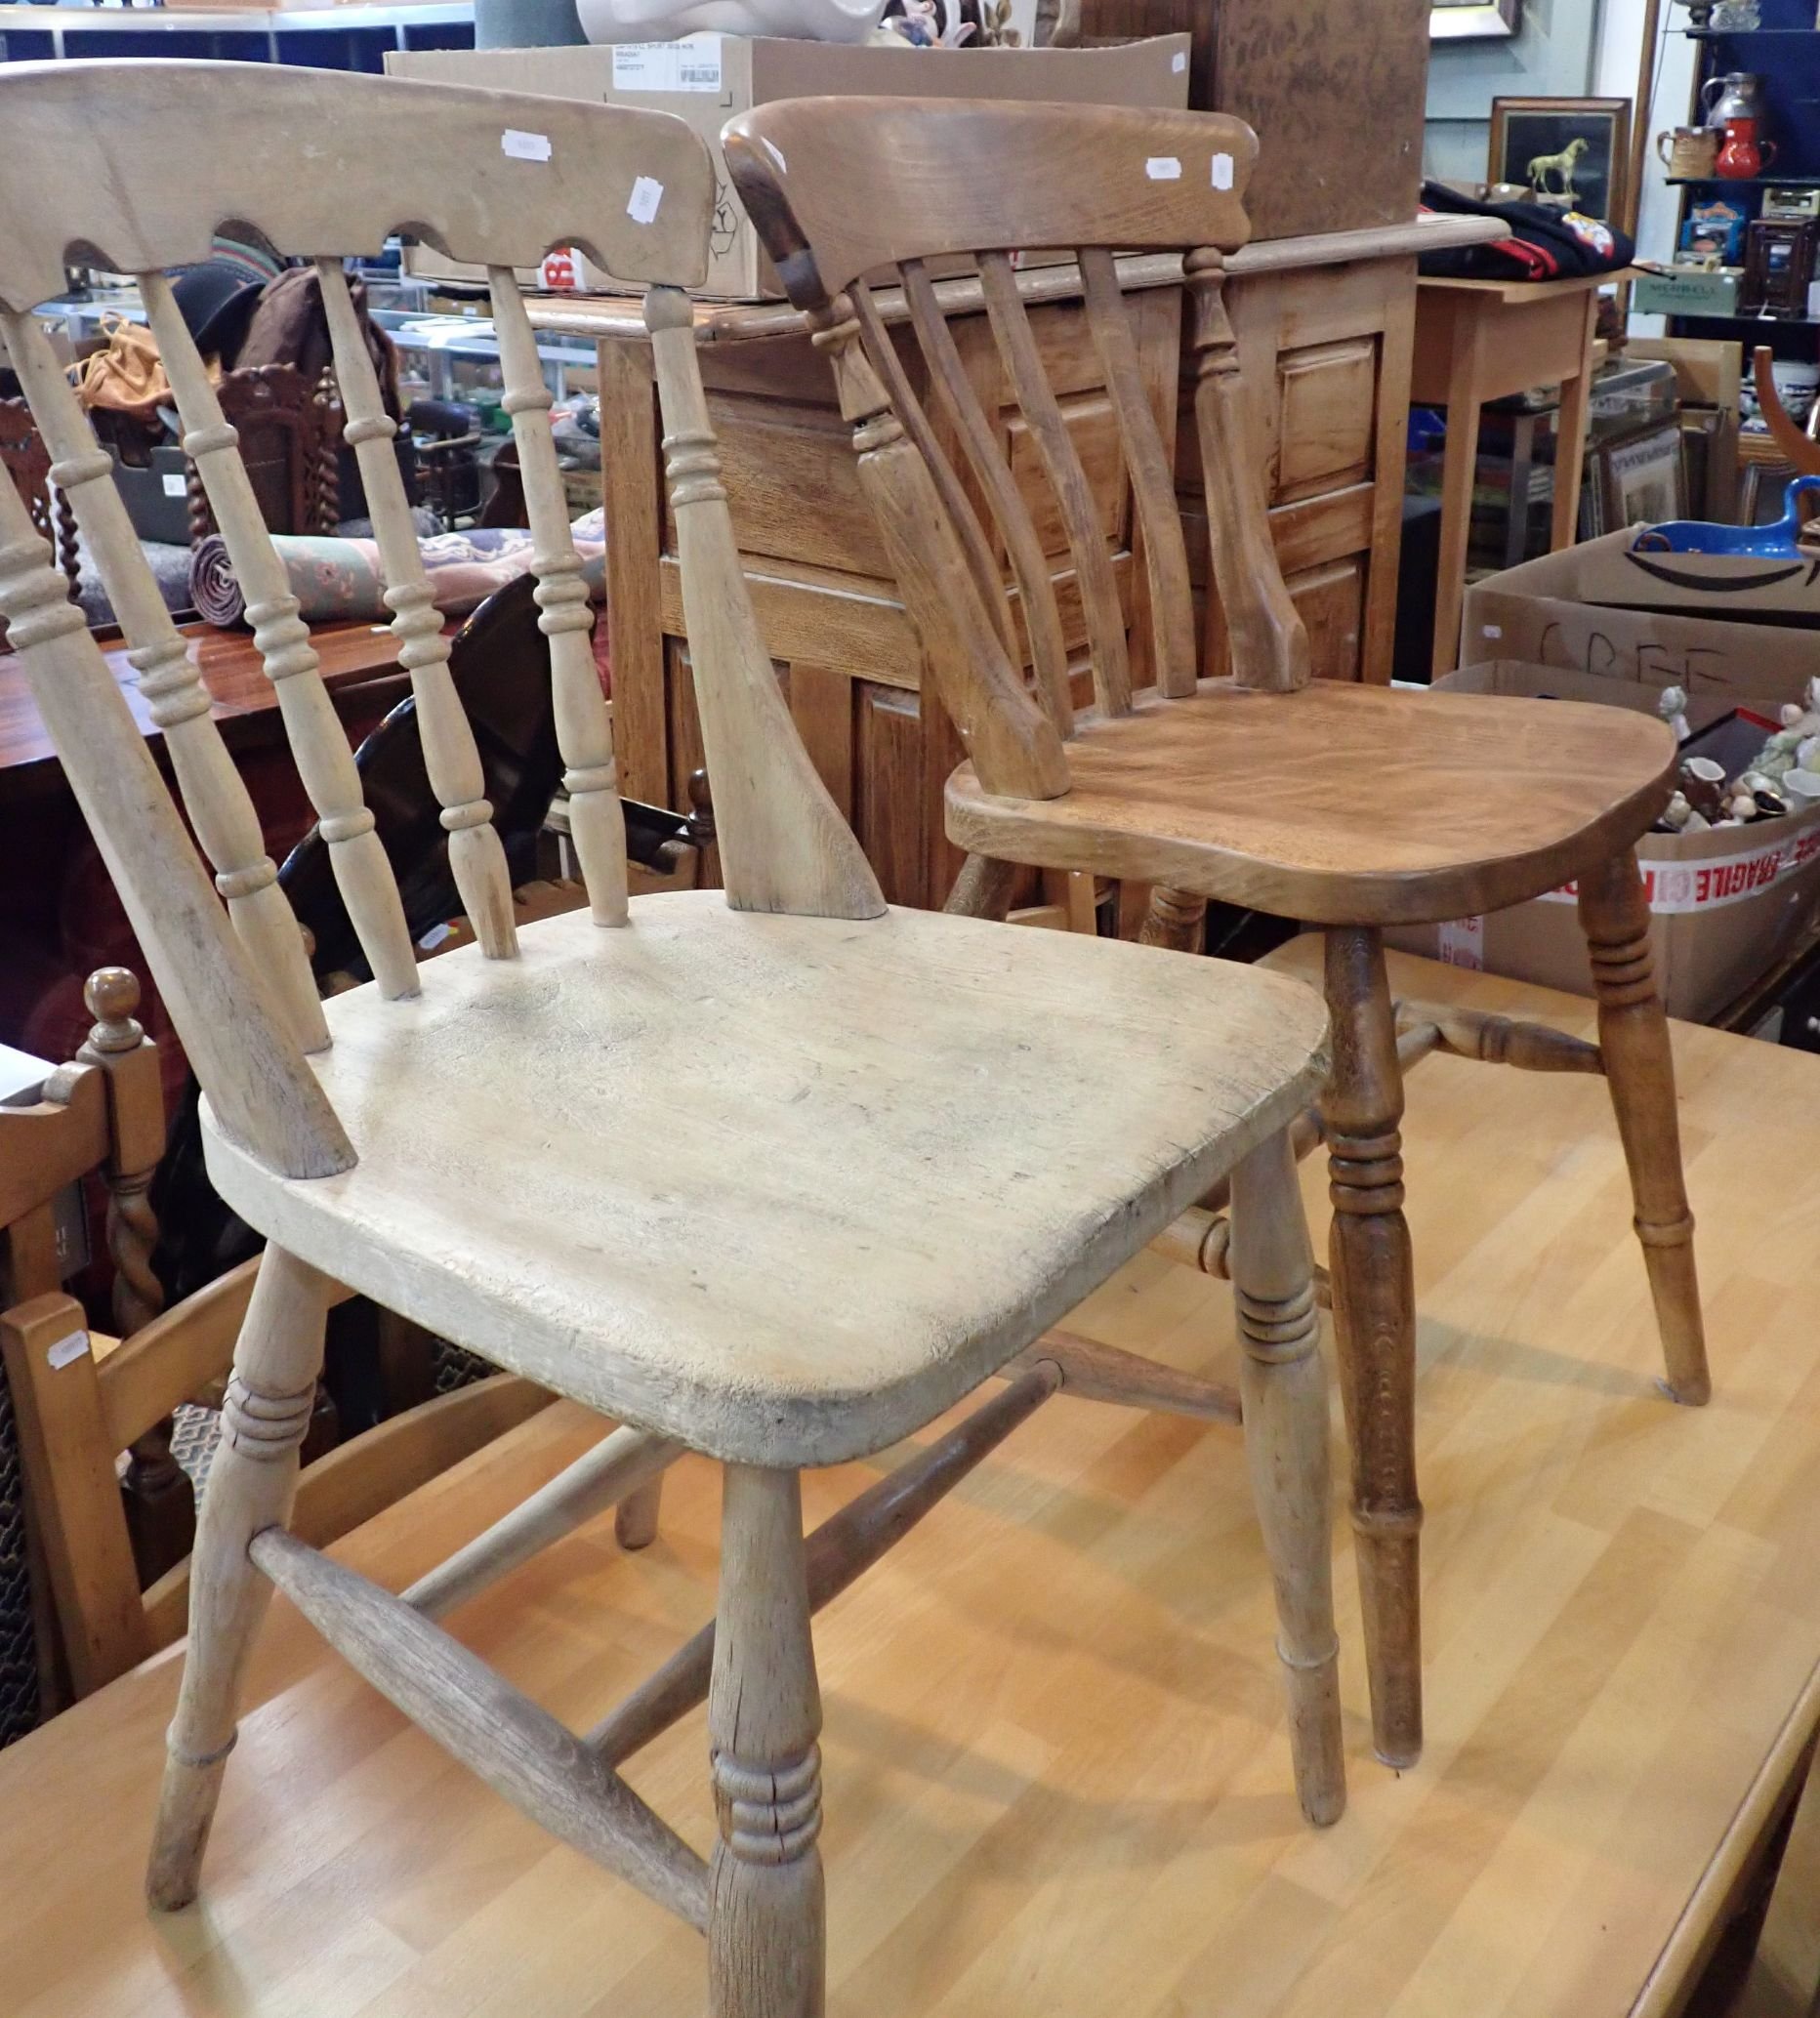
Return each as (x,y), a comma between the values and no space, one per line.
(1687,291)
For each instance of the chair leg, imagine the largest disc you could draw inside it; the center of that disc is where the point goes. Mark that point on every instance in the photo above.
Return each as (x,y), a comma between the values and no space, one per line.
(252,1483)
(1373,1279)
(766,1923)
(634,1519)
(1285,1388)
(1175,920)
(1639,1068)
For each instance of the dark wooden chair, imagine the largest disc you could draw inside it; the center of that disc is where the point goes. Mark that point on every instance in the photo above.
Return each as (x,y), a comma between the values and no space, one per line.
(27,462)
(1235,779)
(111,1511)
(290,431)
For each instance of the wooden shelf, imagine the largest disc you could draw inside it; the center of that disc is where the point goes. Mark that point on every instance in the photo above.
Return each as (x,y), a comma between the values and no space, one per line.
(1728,182)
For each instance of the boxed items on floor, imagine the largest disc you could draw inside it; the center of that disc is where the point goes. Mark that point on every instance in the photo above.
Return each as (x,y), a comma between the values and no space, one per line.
(709,78)
(1730,891)
(1731,626)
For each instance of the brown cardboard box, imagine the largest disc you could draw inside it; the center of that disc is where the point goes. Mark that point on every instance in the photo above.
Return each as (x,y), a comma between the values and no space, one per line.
(708,79)
(1725,905)
(1738,629)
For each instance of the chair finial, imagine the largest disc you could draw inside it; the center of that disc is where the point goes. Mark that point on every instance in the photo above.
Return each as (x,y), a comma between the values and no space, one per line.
(111,996)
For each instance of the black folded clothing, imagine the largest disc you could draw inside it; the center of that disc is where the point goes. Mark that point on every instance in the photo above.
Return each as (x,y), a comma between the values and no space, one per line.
(1545,242)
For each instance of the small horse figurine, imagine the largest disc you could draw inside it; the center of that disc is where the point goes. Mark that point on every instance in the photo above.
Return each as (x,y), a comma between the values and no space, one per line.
(1562,166)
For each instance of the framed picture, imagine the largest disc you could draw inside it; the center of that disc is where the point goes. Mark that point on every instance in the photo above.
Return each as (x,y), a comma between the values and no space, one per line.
(1472,21)
(1643,482)
(1571,151)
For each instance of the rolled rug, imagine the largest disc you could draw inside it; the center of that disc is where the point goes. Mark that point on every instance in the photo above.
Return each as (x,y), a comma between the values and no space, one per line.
(339,581)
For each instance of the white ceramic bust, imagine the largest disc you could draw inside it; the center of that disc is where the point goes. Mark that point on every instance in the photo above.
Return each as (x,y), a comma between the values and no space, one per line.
(664,21)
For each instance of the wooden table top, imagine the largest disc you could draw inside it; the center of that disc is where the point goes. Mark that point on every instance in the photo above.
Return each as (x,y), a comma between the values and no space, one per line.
(1525,294)
(231,670)
(619,317)
(1058,1784)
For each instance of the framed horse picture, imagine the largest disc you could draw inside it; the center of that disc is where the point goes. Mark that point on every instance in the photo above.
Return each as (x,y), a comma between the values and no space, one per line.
(1573,152)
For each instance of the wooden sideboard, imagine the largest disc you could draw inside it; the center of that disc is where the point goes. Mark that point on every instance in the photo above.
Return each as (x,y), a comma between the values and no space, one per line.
(1324,327)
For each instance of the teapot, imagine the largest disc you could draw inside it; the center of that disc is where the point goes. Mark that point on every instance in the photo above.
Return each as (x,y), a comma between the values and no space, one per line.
(1739,96)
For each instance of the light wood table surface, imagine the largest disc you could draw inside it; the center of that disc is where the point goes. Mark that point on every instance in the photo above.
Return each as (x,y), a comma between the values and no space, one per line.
(1480,340)
(1057,1784)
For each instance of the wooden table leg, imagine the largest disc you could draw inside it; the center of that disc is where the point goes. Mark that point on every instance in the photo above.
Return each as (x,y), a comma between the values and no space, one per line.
(1571,448)
(1464,401)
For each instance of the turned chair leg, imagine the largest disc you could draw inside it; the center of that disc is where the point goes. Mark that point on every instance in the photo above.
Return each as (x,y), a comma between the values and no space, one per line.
(1639,1068)
(634,1519)
(1285,1390)
(766,1923)
(1372,1280)
(1175,920)
(252,1483)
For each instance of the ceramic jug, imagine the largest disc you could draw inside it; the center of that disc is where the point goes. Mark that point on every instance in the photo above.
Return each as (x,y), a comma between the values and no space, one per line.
(1743,155)
(1737,95)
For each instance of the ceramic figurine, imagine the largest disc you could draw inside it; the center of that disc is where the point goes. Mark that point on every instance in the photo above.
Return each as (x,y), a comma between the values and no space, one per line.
(926,24)
(1673,708)
(1675,816)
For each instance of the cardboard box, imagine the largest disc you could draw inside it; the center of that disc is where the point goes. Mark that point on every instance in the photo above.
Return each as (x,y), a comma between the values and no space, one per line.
(1746,631)
(1725,905)
(1686,291)
(710,78)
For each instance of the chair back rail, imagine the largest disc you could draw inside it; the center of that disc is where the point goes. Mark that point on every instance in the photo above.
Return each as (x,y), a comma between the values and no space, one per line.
(326,166)
(843,191)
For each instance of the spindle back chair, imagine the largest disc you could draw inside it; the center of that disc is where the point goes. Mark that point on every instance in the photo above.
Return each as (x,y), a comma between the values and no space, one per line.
(1345,805)
(772,1174)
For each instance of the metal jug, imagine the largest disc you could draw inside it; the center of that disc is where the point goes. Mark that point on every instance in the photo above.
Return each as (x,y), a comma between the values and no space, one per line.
(1737,95)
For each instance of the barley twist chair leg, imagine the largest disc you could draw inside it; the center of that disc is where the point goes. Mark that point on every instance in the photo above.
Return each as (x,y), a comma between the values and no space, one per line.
(1639,1068)
(1285,1390)
(766,1921)
(251,1485)
(635,1521)
(1373,1279)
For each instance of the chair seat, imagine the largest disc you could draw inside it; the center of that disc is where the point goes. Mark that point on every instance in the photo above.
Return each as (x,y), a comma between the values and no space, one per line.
(784,1187)
(1341,804)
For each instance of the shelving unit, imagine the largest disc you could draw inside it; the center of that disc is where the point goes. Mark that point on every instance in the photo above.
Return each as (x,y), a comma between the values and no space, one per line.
(336,38)
(1785,54)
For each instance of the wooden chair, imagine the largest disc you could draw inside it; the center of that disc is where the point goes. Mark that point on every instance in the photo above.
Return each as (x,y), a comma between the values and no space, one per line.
(290,442)
(1346,806)
(26,460)
(115,1538)
(774,1174)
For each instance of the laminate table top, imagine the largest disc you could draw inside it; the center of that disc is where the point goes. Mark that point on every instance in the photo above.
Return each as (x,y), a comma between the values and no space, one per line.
(1057,1781)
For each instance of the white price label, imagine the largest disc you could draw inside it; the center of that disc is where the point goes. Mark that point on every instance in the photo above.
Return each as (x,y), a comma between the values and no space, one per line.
(524,146)
(692,65)
(66,1351)
(646,194)
(1163,168)
(1223,171)
(174,485)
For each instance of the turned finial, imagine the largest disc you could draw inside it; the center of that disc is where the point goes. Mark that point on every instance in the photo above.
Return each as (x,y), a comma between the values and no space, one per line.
(111,995)
(700,809)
